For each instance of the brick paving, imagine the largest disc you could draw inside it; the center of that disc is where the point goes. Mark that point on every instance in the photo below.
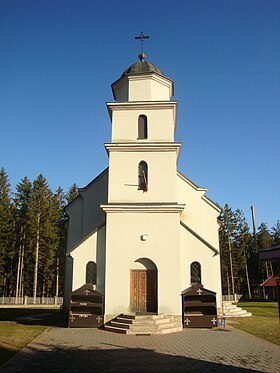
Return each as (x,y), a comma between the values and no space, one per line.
(192,350)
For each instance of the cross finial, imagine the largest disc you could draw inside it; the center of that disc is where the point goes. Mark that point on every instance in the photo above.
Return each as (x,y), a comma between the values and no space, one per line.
(142,37)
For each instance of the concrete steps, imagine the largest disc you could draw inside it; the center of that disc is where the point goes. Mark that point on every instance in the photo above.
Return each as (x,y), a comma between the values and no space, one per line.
(143,324)
(232,310)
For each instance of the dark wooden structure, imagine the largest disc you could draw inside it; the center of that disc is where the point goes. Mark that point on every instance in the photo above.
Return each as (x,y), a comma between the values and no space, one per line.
(268,255)
(86,308)
(270,284)
(199,308)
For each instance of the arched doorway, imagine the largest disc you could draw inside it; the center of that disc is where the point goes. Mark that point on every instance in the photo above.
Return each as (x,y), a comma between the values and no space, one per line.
(143,286)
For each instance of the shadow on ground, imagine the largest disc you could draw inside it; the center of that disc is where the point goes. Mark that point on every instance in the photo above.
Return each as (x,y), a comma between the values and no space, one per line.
(29,316)
(110,359)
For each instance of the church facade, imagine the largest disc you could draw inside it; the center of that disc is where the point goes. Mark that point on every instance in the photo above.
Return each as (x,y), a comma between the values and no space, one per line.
(142,232)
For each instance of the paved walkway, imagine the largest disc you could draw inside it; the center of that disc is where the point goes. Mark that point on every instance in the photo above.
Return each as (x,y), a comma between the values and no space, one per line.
(192,350)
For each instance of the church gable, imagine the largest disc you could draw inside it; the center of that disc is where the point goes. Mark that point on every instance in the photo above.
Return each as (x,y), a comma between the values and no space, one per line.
(200,214)
(85,215)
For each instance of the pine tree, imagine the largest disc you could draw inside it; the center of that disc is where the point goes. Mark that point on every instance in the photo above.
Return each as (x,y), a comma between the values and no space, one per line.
(7,229)
(59,204)
(264,241)
(227,237)
(41,232)
(243,244)
(275,234)
(21,200)
(72,193)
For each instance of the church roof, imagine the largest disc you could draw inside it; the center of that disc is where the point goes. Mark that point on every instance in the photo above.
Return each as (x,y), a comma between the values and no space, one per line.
(142,67)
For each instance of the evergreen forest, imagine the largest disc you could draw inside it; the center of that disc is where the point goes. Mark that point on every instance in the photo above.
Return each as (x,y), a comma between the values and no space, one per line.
(32,237)
(33,240)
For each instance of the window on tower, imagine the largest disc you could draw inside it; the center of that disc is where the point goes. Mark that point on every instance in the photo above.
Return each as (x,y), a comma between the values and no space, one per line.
(195,273)
(143,176)
(142,127)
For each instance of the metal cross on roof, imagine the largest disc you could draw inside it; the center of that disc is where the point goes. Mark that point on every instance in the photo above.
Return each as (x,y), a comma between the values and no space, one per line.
(142,37)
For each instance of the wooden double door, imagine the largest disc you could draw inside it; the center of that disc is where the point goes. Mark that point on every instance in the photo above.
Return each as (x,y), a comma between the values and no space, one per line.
(143,290)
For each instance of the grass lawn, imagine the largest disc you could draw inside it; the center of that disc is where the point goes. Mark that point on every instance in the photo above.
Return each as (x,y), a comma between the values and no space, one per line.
(263,323)
(20,326)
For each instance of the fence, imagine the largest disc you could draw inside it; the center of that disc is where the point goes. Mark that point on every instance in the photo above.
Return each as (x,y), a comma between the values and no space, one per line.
(232,298)
(28,301)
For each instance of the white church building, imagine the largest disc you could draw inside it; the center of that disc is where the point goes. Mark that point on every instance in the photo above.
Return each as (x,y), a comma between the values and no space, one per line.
(141,231)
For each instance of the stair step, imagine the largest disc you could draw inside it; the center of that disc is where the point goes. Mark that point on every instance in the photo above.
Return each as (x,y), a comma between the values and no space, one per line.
(233,310)
(123,320)
(116,324)
(143,324)
(130,316)
(115,329)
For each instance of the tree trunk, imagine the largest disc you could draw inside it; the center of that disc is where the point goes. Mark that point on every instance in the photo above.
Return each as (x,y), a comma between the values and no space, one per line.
(57,277)
(36,260)
(271,269)
(266,268)
(19,267)
(21,271)
(18,273)
(228,284)
(231,267)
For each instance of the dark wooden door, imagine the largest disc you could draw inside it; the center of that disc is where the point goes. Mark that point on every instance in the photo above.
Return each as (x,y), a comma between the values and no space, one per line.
(143,291)
(138,290)
(151,290)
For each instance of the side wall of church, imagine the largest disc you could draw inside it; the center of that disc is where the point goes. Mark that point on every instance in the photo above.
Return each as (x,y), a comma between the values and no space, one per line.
(85,215)
(86,236)
(192,250)
(201,216)
(92,249)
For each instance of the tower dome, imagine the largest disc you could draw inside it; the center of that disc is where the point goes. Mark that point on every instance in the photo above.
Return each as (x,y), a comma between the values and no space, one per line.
(142,67)
(142,81)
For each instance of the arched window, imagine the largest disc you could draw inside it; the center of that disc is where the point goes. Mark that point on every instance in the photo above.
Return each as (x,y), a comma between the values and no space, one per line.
(142,127)
(143,176)
(91,273)
(195,273)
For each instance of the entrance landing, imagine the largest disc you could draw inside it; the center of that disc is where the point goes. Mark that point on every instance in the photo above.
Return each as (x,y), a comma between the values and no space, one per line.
(144,324)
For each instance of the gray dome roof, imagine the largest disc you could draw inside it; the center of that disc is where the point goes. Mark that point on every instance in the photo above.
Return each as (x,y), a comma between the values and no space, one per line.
(141,68)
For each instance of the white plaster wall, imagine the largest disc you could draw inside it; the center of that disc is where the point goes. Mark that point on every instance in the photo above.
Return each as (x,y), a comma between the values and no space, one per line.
(147,89)
(95,194)
(194,250)
(124,246)
(84,213)
(123,177)
(161,124)
(92,249)
(198,214)
(143,87)
(121,94)
(84,253)
(74,230)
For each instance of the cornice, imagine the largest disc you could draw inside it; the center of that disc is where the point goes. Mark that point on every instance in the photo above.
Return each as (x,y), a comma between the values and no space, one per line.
(140,208)
(144,147)
(141,105)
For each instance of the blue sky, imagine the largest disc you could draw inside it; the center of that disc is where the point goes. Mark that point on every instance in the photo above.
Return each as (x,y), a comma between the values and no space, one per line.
(60,57)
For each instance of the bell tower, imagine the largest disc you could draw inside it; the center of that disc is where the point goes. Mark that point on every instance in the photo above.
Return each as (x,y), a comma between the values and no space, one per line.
(142,152)
(142,184)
